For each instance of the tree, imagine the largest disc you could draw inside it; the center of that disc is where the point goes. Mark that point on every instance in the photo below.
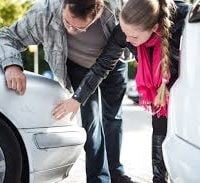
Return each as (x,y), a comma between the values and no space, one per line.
(11,10)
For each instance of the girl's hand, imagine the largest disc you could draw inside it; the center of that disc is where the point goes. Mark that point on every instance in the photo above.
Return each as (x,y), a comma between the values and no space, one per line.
(162,96)
(65,107)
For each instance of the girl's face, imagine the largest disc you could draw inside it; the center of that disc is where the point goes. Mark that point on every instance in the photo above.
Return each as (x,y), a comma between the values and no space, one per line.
(135,34)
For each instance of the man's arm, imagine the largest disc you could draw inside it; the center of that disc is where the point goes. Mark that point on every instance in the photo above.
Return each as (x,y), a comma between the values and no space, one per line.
(105,63)
(14,40)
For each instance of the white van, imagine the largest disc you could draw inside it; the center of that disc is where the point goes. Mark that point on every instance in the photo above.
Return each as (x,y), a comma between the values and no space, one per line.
(181,147)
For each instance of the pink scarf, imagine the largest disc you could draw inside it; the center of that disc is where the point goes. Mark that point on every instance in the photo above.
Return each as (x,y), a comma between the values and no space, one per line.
(149,76)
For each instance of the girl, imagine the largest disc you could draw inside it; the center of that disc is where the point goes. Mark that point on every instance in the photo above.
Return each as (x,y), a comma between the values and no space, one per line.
(148,26)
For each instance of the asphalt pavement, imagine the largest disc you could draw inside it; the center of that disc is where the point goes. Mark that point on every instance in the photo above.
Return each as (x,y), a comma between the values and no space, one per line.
(136,147)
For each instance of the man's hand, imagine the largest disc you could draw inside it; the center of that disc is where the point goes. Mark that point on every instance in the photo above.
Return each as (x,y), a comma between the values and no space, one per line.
(15,79)
(65,107)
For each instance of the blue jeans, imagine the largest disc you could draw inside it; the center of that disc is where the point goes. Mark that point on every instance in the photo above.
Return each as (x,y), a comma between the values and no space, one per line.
(104,130)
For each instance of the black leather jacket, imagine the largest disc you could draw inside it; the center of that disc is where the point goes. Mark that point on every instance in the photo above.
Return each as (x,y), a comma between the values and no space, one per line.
(114,48)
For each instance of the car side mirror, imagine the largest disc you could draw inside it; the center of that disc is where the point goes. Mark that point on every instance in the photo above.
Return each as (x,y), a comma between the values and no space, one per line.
(194,15)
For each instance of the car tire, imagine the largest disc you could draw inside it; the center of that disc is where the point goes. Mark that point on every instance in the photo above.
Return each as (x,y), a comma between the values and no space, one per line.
(10,149)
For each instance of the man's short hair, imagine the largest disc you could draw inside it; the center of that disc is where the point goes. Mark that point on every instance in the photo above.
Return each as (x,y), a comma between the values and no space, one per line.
(84,8)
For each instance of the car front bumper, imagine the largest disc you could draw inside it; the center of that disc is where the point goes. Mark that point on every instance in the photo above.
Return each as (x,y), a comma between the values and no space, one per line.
(52,151)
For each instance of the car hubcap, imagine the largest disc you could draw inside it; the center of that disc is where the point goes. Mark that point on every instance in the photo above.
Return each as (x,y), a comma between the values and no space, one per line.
(2,166)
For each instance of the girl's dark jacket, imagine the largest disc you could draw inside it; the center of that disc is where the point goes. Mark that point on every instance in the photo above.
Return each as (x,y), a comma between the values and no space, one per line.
(114,48)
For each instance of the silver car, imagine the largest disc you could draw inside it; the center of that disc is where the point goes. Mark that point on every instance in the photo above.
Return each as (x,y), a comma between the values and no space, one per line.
(31,141)
(181,147)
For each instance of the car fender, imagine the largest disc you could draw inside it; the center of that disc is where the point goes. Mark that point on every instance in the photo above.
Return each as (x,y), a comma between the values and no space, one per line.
(34,108)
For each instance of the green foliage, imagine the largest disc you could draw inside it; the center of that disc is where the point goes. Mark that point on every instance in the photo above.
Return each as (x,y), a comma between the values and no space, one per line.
(11,10)
(132,69)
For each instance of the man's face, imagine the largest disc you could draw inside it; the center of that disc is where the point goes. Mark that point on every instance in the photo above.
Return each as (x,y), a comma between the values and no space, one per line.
(75,25)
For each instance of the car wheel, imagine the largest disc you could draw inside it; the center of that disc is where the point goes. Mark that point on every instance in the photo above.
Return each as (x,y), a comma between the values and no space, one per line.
(10,155)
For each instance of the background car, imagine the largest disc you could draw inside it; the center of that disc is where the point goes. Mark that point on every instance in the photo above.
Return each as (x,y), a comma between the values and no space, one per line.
(32,143)
(132,92)
(181,147)
(48,74)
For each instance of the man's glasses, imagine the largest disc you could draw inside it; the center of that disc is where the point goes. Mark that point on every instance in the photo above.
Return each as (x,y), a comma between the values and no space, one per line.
(69,26)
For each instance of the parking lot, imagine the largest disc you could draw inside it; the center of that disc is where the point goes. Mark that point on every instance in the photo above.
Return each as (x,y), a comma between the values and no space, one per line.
(136,147)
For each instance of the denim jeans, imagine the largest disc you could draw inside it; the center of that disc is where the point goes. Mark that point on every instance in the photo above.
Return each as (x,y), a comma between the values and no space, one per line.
(104,130)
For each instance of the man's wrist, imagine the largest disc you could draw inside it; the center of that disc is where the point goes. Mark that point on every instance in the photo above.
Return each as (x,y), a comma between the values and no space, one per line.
(9,66)
(75,97)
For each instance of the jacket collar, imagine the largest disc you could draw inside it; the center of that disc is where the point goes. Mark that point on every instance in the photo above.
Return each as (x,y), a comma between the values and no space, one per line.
(56,20)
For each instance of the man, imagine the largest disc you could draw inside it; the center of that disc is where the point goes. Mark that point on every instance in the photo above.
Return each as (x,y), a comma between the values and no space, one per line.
(73,33)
